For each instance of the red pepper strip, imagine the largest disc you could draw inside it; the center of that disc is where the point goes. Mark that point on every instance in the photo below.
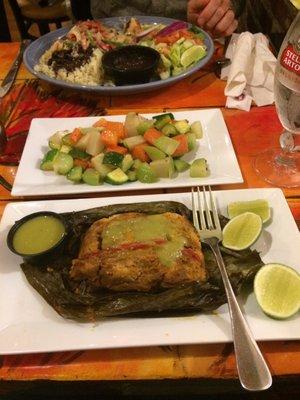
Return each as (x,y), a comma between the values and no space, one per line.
(128,246)
(189,252)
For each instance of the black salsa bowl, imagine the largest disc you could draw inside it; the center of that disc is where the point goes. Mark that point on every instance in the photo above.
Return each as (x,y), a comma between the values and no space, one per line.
(131,64)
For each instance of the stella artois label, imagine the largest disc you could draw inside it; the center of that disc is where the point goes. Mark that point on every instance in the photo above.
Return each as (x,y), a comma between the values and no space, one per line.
(289,65)
(290,59)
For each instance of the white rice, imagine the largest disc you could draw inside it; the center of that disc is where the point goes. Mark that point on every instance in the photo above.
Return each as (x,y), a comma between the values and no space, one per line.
(91,73)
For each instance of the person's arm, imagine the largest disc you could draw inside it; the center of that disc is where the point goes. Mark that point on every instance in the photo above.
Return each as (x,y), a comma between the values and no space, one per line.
(216,16)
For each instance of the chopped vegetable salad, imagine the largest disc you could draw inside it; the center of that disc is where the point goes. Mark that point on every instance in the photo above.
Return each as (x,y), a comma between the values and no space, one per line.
(115,152)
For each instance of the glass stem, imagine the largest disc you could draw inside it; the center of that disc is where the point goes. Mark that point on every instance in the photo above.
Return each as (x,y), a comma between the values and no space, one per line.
(287,141)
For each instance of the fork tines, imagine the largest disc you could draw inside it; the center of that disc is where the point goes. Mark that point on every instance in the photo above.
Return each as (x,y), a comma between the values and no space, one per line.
(205,213)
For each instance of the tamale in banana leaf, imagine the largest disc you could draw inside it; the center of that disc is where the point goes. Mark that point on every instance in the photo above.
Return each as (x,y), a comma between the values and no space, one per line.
(85,304)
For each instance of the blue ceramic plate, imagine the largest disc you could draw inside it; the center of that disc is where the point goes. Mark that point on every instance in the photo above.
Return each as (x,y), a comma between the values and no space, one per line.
(33,53)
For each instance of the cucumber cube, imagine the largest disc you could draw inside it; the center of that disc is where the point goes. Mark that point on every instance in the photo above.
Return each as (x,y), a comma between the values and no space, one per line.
(196,128)
(161,122)
(131,176)
(62,163)
(163,168)
(103,169)
(116,177)
(169,130)
(192,141)
(162,116)
(80,154)
(113,158)
(154,153)
(145,174)
(66,139)
(199,168)
(55,140)
(47,161)
(91,177)
(143,126)
(182,126)
(75,174)
(65,149)
(127,162)
(166,144)
(181,165)
(136,163)
(133,141)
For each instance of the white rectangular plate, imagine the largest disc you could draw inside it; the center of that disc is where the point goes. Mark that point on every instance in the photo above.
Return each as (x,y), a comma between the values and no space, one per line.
(215,146)
(29,324)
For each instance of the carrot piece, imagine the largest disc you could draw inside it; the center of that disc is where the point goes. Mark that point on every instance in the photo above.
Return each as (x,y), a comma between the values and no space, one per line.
(117,149)
(186,34)
(169,39)
(113,126)
(138,151)
(117,127)
(81,163)
(109,138)
(183,145)
(174,36)
(76,135)
(101,123)
(151,135)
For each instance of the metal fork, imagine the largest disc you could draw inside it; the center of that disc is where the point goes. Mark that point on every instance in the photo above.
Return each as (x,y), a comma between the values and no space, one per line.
(252,369)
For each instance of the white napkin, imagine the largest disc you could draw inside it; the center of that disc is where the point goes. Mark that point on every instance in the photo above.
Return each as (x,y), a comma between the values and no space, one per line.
(250,76)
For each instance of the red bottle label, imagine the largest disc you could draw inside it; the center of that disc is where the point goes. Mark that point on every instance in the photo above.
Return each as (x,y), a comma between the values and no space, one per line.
(290,59)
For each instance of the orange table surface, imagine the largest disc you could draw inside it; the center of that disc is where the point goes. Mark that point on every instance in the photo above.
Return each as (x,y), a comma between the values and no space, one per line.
(251,133)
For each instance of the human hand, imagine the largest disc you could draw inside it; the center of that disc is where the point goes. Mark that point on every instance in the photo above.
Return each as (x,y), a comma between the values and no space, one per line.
(215,16)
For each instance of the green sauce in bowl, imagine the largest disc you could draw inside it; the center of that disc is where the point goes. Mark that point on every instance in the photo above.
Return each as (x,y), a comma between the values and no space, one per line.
(38,235)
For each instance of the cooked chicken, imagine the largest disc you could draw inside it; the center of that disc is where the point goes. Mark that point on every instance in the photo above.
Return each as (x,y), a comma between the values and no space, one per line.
(139,252)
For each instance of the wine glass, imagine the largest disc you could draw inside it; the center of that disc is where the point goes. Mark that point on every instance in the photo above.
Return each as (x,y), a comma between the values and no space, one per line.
(281,166)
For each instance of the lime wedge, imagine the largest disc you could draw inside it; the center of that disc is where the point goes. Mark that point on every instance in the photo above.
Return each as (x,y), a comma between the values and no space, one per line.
(277,290)
(192,55)
(242,231)
(260,207)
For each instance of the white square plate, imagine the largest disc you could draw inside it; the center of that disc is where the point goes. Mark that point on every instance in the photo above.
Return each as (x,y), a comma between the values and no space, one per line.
(28,324)
(215,146)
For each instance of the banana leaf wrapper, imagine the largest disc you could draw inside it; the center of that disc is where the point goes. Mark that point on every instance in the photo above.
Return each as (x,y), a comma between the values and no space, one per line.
(83,303)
